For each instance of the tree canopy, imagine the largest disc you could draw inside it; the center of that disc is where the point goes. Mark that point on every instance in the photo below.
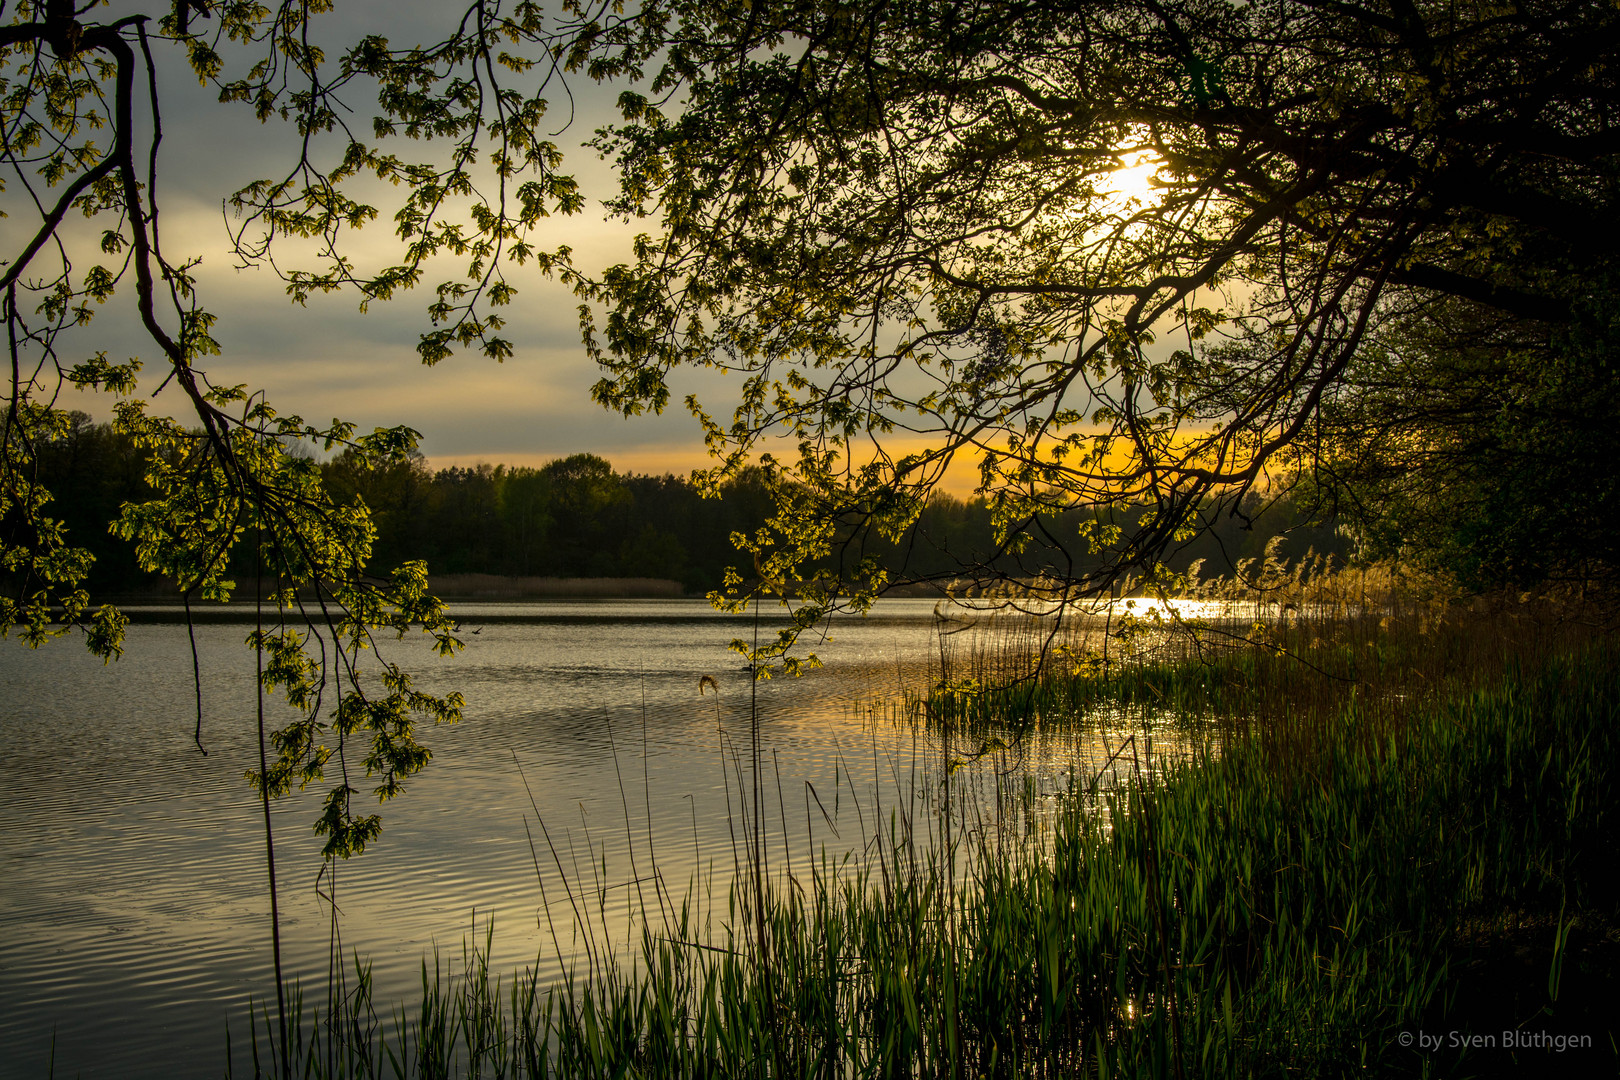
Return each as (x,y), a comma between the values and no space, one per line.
(1162,254)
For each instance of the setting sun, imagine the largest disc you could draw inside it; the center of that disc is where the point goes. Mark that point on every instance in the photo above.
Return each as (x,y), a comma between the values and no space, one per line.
(1133,185)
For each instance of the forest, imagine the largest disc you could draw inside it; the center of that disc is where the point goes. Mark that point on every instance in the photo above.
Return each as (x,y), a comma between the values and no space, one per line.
(576,517)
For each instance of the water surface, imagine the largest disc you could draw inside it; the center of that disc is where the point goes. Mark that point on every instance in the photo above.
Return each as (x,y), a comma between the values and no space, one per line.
(133,905)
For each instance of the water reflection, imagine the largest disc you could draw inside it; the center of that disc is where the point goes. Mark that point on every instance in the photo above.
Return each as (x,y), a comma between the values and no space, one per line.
(131,892)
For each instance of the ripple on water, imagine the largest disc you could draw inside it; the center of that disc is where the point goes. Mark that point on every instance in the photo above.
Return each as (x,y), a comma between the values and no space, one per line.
(132,866)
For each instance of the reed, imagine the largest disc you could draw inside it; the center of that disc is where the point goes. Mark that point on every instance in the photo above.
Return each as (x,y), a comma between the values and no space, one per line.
(1279,648)
(1275,904)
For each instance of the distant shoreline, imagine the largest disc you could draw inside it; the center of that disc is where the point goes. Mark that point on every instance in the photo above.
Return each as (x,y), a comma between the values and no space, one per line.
(497,587)
(457,587)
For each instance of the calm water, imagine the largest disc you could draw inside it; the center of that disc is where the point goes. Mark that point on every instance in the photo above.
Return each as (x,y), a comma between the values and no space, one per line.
(133,912)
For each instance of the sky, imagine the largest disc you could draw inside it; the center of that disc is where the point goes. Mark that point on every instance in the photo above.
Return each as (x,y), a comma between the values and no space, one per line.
(328,360)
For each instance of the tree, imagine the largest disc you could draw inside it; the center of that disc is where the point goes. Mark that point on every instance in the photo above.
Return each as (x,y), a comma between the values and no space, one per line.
(1482,447)
(82,123)
(396,494)
(1127,253)
(81,129)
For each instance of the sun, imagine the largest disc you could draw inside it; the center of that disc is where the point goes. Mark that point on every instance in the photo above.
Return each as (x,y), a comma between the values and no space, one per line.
(1133,185)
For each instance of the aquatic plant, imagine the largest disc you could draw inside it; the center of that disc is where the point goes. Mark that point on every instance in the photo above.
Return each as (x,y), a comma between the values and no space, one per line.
(1285,902)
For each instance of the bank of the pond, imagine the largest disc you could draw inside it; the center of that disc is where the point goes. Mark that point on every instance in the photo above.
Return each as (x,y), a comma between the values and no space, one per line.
(456,588)
(1437,897)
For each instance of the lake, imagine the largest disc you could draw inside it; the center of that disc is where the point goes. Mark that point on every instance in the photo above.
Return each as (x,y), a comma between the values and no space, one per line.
(133,909)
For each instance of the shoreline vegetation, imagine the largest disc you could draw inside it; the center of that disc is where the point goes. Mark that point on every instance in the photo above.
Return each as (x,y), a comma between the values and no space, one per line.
(485,588)
(579,521)
(1392,851)
(471,587)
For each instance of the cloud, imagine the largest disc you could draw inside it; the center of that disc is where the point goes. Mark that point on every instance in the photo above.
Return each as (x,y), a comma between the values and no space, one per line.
(326,359)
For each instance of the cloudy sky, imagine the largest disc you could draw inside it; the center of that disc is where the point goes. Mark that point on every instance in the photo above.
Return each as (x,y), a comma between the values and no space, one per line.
(329,360)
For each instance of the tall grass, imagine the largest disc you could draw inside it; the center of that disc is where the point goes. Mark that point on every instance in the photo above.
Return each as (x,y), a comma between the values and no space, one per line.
(1279,646)
(1275,904)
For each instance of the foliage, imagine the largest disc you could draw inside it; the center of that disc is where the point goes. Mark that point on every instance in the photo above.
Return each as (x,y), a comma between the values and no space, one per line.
(1116,253)
(573,517)
(82,122)
(1471,445)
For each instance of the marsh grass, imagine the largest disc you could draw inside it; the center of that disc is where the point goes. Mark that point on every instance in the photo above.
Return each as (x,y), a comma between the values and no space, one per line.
(1397,782)
(1279,649)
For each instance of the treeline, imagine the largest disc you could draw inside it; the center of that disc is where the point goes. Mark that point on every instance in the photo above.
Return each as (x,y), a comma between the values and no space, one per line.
(573,518)
(577,517)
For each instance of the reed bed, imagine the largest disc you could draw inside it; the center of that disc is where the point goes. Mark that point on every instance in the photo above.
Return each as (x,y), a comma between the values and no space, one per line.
(1284,901)
(1277,649)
